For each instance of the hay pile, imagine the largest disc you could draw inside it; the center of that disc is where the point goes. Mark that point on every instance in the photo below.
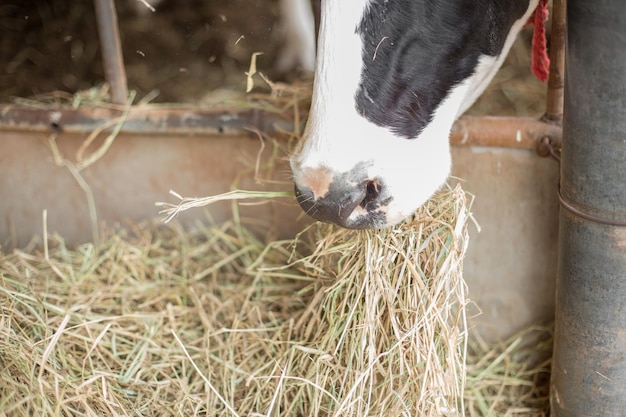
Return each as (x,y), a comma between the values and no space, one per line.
(159,321)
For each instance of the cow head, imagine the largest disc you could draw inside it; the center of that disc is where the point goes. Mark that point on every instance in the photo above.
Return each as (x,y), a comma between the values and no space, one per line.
(390,80)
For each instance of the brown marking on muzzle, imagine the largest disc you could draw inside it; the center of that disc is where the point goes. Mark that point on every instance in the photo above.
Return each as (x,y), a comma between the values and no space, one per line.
(317,180)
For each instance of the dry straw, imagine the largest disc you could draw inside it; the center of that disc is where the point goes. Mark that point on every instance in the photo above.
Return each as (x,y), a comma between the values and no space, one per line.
(159,321)
(391,336)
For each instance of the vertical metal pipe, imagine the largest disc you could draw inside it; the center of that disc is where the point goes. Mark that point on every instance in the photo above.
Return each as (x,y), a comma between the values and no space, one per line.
(554,105)
(111,50)
(589,366)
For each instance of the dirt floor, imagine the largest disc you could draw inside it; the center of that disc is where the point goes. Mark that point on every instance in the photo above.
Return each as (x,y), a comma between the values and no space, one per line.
(183,51)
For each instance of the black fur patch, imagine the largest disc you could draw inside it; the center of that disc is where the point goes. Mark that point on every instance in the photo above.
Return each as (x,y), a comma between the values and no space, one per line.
(416,51)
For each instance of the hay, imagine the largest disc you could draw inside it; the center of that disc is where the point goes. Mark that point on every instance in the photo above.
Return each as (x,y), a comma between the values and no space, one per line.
(96,330)
(388,326)
(511,378)
(171,210)
(160,321)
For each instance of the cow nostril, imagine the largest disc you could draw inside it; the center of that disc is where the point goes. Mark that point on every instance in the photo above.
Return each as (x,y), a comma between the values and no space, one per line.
(372,192)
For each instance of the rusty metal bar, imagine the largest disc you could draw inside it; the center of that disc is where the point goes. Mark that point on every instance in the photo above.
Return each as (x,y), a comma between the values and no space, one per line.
(141,120)
(554,104)
(508,132)
(111,50)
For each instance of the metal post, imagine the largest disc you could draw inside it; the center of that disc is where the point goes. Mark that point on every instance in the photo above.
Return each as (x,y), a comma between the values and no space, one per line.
(111,50)
(589,366)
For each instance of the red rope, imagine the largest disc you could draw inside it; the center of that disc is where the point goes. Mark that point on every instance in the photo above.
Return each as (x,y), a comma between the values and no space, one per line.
(540,63)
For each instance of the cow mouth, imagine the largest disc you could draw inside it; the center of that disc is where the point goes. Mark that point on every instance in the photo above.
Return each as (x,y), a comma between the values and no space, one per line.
(358,207)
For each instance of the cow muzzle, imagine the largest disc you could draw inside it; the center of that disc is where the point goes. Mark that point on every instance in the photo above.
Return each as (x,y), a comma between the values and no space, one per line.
(349,199)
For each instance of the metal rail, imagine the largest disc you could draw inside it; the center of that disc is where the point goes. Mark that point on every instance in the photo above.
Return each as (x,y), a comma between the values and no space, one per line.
(507,132)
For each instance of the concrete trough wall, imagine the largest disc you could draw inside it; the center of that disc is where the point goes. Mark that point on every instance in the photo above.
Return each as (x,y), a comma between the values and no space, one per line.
(510,267)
